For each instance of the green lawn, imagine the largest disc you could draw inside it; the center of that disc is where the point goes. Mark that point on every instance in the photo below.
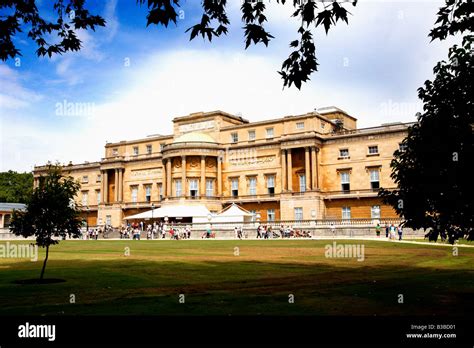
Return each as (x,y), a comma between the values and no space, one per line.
(258,281)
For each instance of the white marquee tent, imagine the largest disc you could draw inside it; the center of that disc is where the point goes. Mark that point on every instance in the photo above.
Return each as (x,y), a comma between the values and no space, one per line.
(233,213)
(174,211)
(199,214)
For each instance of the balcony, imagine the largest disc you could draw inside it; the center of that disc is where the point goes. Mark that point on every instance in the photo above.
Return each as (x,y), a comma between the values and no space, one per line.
(140,205)
(268,197)
(88,207)
(192,198)
(305,193)
(377,129)
(364,193)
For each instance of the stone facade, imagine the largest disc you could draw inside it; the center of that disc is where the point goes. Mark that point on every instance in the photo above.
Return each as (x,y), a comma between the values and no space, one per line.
(312,166)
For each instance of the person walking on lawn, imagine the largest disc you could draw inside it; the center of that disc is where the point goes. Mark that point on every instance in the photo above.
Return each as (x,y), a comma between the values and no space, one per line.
(377,230)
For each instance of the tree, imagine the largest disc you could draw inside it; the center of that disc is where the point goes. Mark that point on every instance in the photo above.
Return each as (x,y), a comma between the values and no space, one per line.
(72,15)
(50,212)
(15,187)
(434,170)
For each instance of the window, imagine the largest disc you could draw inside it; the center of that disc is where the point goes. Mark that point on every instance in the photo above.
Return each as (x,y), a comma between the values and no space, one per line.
(234,137)
(235,187)
(271,184)
(302,179)
(135,150)
(85,179)
(298,214)
(177,184)
(252,186)
(85,198)
(344,153)
(193,188)
(402,147)
(251,135)
(269,133)
(97,194)
(6,220)
(323,124)
(299,125)
(108,220)
(114,152)
(271,215)
(148,149)
(375,212)
(148,193)
(134,194)
(373,150)
(345,184)
(160,191)
(209,187)
(98,178)
(162,146)
(374,179)
(254,215)
(346,213)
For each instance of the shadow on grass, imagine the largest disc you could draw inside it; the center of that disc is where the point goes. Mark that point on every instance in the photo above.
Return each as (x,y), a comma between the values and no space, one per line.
(136,287)
(39,281)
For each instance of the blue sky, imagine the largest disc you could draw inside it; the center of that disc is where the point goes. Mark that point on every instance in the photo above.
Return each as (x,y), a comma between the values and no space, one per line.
(133,80)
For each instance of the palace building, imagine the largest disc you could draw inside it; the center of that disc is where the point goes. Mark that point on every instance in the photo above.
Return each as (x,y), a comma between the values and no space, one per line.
(305,167)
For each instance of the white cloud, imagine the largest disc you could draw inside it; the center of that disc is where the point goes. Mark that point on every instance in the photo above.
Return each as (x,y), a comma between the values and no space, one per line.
(145,97)
(12,94)
(110,16)
(91,47)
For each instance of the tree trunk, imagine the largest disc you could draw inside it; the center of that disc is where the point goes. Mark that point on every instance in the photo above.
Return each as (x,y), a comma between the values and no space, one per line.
(44,263)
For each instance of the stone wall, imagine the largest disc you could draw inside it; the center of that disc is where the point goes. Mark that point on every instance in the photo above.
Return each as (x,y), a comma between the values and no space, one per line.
(251,233)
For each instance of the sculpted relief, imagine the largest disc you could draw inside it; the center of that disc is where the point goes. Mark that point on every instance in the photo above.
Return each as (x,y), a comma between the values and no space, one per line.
(176,162)
(194,162)
(250,162)
(145,173)
(210,163)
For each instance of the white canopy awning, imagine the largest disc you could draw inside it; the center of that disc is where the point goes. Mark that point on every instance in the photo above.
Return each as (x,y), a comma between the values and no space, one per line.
(233,213)
(234,210)
(173,211)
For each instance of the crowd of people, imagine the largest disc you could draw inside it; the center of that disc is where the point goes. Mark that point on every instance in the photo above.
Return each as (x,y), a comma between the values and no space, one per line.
(92,233)
(391,231)
(156,230)
(268,232)
(162,230)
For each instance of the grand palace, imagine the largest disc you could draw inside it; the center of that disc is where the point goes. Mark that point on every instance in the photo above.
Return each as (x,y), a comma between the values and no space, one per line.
(317,165)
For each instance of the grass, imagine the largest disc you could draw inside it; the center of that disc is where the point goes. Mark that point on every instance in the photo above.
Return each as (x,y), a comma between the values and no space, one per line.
(259,281)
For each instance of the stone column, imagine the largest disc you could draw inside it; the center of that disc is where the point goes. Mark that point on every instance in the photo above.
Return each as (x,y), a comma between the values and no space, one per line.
(120,182)
(306,169)
(203,177)
(101,187)
(116,186)
(283,170)
(219,176)
(168,177)
(290,170)
(164,191)
(314,174)
(183,176)
(106,187)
